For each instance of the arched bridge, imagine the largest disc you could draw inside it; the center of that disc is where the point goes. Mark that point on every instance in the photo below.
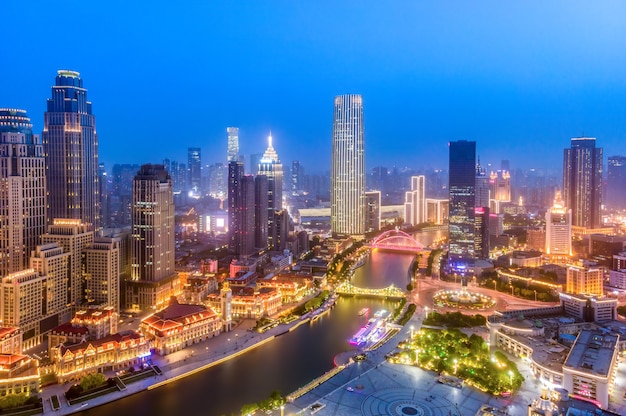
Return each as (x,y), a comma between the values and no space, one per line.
(396,240)
(392,292)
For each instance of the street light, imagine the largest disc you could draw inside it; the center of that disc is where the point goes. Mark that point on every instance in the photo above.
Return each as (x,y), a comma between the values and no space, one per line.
(512,290)
(282,410)
(511,378)
(535,296)
(411,331)
(455,366)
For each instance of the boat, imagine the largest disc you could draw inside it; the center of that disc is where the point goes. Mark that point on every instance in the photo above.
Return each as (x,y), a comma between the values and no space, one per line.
(364,311)
(372,330)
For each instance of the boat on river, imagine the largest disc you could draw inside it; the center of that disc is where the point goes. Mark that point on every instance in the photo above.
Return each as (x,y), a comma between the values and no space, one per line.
(372,331)
(364,311)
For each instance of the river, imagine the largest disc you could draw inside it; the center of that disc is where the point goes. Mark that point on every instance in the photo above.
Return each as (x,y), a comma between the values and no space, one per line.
(284,364)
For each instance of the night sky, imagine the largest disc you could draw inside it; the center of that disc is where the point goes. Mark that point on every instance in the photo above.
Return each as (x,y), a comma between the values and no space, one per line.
(518,77)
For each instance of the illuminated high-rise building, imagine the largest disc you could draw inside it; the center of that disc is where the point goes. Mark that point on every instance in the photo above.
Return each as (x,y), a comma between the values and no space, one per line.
(481,214)
(153,279)
(235,218)
(462,185)
(616,182)
(582,181)
(415,201)
(347,171)
(22,190)
(585,278)
(270,166)
(559,229)
(71,148)
(233,144)
(101,263)
(499,189)
(372,211)
(260,211)
(194,165)
(73,236)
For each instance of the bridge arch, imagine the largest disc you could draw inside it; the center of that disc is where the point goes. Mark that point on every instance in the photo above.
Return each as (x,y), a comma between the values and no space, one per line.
(396,239)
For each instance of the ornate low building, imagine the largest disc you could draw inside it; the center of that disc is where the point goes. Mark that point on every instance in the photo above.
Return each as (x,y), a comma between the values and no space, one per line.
(19,374)
(248,302)
(10,340)
(179,326)
(291,290)
(113,352)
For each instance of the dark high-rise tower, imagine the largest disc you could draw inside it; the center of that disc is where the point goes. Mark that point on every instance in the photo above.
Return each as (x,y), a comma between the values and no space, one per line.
(616,184)
(194,164)
(462,185)
(582,181)
(71,149)
(260,211)
(347,171)
(22,190)
(235,220)
(481,214)
(270,166)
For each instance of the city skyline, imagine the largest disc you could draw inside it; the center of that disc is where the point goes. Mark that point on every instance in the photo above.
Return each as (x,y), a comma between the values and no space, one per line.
(509,77)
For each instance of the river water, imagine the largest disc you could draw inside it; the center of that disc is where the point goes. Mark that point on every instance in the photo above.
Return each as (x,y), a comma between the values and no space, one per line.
(285,364)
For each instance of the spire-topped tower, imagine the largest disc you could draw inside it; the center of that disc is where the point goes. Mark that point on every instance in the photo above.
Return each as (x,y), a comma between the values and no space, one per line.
(270,154)
(270,166)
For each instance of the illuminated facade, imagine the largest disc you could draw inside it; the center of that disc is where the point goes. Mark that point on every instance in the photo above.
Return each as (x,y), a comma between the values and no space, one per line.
(22,190)
(52,262)
(233,144)
(415,201)
(347,173)
(270,166)
(179,326)
(235,210)
(558,229)
(462,183)
(582,182)
(437,210)
(194,165)
(585,278)
(153,279)
(113,352)
(372,211)
(616,182)
(10,340)
(73,236)
(249,303)
(101,263)
(499,189)
(19,374)
(261,211)
(71,148)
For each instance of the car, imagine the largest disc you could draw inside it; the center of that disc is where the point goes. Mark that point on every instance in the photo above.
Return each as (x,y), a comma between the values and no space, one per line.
(84,404)
(350,388)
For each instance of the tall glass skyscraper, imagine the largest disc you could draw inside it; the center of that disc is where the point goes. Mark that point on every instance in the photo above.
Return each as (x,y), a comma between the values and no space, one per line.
(71,148)
(270,166)
(347,171)
(194,164)
(582,181)
(462,188)
(616,183)
(233,144)
(22,190)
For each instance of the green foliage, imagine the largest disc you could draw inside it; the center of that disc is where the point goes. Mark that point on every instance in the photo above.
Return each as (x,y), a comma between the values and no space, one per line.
(13,400)
(454,320)
(410,310)
(274,401)
(91,381)
(73,392)
(248,409)
(409,287)
(621,310)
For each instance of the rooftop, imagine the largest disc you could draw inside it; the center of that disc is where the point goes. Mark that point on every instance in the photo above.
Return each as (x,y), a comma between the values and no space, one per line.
(592,352)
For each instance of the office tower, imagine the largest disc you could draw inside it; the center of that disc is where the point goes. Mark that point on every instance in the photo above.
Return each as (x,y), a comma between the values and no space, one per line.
(297,177)
(73,236)
(152,241)
(218,175)
(499,189)
(260,211)
(270,166)
(105,197)
(194,165)
(235,220)
(255,161)
(246,210)
(437,210)
(585,278)
(415,201)
(52,262)
(178,173)
(462,184)
(71,148)
(616,182)
(101,263)
(233,144)
(559,229)
(582,181)
(122,193)
(372,211)
(481,213)
(21,303)
(347,173)
(22,190)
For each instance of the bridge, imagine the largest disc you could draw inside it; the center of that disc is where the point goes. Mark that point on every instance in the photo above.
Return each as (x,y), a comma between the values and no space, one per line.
(389,292)
(396,240)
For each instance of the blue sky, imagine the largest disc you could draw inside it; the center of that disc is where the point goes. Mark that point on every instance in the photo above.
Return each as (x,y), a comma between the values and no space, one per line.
(518,77)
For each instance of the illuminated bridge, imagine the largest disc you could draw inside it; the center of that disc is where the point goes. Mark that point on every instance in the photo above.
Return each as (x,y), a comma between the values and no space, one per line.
(391,292)
(396,240)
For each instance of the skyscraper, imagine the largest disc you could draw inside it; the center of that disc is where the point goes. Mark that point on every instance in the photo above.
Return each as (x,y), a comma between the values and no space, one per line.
(347,172)
(481,214)
(152,240)
(462,184)
(616,183)
(235,220)
(233,144)
(194,164)
(270,166)
(415,201)
(559,229)
(260,211)
(22,190)
(582,181)
(71,149)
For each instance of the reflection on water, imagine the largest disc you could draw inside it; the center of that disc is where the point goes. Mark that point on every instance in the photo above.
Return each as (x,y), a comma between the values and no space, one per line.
(284,364)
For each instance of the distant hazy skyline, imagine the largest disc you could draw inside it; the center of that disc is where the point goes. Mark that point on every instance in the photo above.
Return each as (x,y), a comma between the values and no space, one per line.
(519,78)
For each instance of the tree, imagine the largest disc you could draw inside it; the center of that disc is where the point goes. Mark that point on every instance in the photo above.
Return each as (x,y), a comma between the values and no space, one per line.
(92,380)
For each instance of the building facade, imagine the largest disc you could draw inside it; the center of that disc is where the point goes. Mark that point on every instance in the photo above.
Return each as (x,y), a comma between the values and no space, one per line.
(233,144)
(585,278)
(558,235)
(616,182)
(101,265)
(71,149)
(415,201)
(270,167)
(347,173)
(372,211)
